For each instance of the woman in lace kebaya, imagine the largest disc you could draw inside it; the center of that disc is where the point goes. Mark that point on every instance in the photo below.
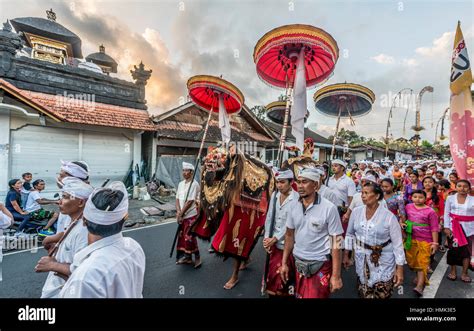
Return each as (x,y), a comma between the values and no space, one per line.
(377,237)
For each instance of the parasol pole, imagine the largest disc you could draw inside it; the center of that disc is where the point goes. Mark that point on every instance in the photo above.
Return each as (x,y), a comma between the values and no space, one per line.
(194,174)
(289,92)
(337,130)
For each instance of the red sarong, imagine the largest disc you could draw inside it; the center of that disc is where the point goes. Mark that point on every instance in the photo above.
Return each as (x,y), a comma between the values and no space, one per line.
(238,232)
(275,285)
(316,286)
(187,242)
(202,227)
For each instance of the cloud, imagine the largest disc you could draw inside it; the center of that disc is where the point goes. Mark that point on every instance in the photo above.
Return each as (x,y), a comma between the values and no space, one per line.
(205,48)
(410,62)
(383,59)
(128,48)
(322,129)
(440,46)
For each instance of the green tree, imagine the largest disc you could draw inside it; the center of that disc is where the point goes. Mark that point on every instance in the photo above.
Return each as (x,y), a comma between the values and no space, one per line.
(260,112)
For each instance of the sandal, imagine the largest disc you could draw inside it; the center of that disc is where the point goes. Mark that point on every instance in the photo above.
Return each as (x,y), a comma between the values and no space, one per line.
(184,261)
(198,265)
(466,279)
(418,292)
(230,287)
(451,277)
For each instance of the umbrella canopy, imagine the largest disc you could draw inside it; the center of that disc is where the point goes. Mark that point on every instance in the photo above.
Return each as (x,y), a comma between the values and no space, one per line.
(276,112)
(276,52)
(346,99)
(204,91)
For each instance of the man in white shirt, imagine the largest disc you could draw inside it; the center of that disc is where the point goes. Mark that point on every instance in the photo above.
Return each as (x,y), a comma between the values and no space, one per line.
(323,190)
(343,187)
(74,196)
(186,215)
(76,169)
(314,238)
(111,266)
(34,203)
(274,243)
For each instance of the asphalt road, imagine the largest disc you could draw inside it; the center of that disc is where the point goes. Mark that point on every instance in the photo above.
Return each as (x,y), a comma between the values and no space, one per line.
(165,279)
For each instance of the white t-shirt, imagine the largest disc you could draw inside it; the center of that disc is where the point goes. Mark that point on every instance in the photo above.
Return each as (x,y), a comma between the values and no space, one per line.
(112,267)
(447,172)
(281,215)
(327,193)
(343,188)
(313,229)
(193,195)
(31,204)
(63,222)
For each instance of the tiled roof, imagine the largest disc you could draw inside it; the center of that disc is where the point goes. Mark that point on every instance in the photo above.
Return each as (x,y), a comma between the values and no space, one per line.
(187,131)
(71,110)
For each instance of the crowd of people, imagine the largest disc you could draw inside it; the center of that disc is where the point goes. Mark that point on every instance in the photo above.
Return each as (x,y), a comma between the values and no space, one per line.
(87,255)
(392,215)
(381,217)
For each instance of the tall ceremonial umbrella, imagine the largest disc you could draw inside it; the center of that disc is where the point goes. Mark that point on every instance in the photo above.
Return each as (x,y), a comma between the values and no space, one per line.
(214,95)
(294,57)
(276,112)
(344,100)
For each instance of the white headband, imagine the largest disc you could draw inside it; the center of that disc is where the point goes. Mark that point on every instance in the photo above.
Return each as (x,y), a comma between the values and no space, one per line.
(76,187)
(188,166)
(107,217)
(369,178)
(340,162)
(74,170)
(310,173)
(285,174)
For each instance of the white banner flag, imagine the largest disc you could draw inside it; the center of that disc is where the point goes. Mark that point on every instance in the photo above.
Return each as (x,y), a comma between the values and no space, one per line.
(224,123)
(299,107)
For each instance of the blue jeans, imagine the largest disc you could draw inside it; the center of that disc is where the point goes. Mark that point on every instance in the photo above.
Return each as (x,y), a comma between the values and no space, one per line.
(24,219)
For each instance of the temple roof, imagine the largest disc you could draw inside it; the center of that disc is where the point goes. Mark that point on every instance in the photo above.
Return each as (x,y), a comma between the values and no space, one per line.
(101,58)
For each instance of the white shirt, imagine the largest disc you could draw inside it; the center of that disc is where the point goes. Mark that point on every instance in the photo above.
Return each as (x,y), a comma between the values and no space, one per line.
(383,226)
(5,222)
(447,172)
(193,195)
(466,209)
(73,243)
(328,194)
(281,212)
(31,204)
(387,174)
(112,267)
(357,201)
(313,229)
(63,222)
(343,188)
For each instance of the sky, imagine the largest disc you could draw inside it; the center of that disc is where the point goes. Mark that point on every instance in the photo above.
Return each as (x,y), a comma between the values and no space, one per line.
(384,45)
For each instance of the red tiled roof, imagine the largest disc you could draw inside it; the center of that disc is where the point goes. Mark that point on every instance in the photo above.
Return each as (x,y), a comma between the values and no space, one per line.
(180,130)
(65,109)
